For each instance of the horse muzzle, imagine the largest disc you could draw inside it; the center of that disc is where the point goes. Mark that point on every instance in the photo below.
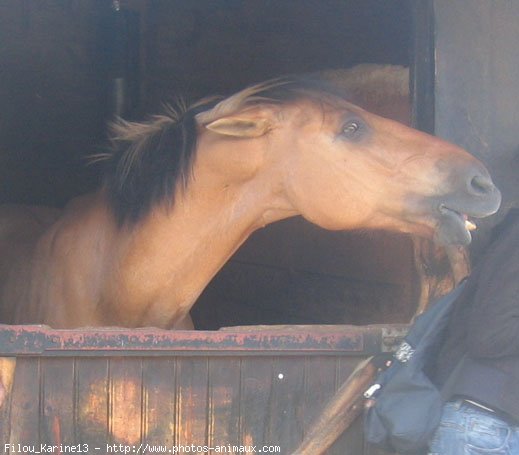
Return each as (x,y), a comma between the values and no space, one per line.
(478,198)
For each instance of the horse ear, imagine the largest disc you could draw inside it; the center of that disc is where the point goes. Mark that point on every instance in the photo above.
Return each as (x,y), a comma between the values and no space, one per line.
(240,127)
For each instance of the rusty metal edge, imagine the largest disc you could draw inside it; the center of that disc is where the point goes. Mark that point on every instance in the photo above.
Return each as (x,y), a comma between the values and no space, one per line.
(286,340)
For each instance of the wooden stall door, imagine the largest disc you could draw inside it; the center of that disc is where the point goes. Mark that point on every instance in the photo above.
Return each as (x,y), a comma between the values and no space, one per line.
(146,390)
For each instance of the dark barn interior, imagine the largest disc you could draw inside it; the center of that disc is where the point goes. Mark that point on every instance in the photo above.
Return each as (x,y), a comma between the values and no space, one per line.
(67,66)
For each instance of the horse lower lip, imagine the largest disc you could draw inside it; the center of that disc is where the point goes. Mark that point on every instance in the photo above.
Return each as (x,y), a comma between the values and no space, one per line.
(446,211)
(469,225)
(453,227)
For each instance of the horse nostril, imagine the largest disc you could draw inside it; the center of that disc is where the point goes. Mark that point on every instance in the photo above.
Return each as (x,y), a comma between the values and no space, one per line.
(481,184)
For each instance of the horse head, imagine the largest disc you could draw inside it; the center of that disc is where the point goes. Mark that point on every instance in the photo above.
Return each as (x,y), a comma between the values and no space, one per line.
(344,168)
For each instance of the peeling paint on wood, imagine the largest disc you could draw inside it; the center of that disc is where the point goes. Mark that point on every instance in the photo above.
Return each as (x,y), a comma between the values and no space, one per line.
(36,340)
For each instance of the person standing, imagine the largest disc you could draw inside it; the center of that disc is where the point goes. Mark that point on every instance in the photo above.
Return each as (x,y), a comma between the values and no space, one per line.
(481,350)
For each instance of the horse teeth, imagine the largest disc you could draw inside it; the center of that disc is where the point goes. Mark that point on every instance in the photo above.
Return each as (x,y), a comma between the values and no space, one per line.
(470,226)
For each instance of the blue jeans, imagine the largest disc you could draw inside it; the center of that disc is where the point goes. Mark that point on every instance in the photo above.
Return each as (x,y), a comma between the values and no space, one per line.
(468,430)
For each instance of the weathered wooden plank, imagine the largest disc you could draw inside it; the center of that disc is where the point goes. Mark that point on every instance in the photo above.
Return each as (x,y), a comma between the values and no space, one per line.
(339,414)
(92,400)
(351,441)
(26,405)
(58,399)
(287,340)
(191,405)
(256,382)
(5,420)
(286,407)
(7,372)
(125,401)
(345,367)
(320,383)
(224,401)
(159,401)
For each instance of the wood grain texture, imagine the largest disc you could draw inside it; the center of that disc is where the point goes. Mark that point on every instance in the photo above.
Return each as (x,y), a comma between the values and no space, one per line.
(58,401)
(125,401)
(224,389)
(159,401)
(192,400)
(92,398)
(26,416)
(177,400)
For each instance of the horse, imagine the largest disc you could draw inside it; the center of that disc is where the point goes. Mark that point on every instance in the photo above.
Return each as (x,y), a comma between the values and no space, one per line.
(183,190)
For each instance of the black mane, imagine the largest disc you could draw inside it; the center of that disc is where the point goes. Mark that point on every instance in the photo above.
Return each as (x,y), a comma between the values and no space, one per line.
(147,161)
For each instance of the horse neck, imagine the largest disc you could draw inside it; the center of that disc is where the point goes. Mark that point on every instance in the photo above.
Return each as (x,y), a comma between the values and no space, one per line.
(169,258)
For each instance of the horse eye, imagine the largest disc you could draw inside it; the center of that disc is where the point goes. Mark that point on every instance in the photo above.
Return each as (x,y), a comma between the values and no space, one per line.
(350,129)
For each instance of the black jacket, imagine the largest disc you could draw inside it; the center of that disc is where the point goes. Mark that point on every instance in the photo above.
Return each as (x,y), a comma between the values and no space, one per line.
(485,328)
